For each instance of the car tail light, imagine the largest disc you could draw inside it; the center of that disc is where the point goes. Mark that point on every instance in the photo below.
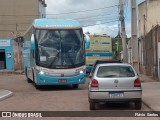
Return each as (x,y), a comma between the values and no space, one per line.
(94,83)
(137,83)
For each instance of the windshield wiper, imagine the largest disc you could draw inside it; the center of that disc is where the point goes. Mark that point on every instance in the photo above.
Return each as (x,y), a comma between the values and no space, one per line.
(70,59)
(54,59)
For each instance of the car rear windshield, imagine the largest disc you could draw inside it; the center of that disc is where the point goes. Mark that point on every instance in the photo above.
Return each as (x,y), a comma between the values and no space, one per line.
(101,62)
(115,71)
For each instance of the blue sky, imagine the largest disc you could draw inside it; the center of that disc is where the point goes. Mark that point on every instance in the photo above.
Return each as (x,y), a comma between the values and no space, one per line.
(101,16)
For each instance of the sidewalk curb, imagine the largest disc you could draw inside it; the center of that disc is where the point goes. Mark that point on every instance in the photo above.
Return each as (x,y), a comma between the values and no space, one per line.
(6,95)
(150,108)
(147,106)
(11,72)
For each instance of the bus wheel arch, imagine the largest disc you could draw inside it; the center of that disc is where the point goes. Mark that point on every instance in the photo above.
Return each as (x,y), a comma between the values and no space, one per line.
(28,80)
(33,75)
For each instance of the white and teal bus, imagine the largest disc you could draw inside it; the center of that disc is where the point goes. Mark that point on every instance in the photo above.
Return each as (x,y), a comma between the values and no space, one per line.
(54,53)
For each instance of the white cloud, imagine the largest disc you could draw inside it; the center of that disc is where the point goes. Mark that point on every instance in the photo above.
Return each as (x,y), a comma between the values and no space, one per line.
(97,17)
(111,30)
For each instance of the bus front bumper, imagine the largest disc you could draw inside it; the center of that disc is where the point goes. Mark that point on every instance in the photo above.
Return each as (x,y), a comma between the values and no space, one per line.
(54,80)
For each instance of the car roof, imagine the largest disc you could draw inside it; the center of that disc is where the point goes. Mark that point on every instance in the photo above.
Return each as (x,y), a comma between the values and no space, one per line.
(114,64)
(107,61)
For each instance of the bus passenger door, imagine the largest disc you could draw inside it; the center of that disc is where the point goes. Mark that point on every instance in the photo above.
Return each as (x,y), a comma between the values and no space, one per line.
(33,64)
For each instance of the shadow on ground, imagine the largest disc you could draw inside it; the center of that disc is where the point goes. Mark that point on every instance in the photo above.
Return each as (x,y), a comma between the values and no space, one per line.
(60,88)
(115,106)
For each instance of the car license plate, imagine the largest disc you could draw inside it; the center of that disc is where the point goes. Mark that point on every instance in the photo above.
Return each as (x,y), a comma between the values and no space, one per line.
(116,94)
(63,81)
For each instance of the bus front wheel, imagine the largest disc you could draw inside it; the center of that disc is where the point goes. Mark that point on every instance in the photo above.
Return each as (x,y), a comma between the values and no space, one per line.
(37,86)
(29,80)
(75,86)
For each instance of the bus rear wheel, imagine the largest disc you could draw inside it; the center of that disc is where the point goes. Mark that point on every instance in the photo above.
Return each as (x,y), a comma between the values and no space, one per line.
(75,86)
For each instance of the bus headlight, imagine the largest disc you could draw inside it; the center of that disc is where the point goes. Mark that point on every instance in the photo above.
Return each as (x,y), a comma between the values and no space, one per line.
(41,72)
(81,72)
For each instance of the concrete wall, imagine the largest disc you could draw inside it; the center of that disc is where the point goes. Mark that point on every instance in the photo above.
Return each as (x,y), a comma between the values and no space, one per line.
(148,16)
(141,18)
(15,18)
(148,19)
(18,57)
(17,15)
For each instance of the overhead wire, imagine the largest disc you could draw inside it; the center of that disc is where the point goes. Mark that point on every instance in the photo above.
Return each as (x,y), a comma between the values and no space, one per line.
(80,18)
(66,12)
(88,17)
(85,10)
(99,23)
(99,20)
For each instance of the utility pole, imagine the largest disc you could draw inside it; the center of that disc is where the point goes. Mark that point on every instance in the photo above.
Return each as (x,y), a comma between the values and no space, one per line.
(123,34)
(134,35)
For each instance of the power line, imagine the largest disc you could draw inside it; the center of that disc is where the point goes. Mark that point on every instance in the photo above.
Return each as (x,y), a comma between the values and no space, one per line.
(96,16)
(11,30)
(103,15)
(16,23)
(66,12)
(79,18)
(82,25)
(92,20)
(85,10)
(39,16)
(61,13)
(100,23)
(81,21)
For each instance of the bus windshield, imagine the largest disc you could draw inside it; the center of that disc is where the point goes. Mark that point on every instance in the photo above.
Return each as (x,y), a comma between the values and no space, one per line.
(60,48)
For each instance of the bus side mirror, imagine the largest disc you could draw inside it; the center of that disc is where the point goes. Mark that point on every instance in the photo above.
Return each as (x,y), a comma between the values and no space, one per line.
(87,41)
(33,46)
(32,42)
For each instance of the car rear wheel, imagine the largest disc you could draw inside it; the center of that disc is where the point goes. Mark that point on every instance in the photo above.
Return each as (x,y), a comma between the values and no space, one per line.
(138,105)
(92,105)
(75,86)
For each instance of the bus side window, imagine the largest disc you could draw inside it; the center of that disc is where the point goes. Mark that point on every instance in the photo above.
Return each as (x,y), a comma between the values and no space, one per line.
(33,53)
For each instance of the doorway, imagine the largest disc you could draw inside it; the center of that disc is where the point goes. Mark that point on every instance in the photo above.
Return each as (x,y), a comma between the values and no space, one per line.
(2,59)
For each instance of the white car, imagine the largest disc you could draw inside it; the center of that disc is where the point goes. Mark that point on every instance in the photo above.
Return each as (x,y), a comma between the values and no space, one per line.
(115,82)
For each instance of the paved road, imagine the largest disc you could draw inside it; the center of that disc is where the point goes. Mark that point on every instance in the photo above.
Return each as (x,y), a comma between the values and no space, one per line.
(53,98)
